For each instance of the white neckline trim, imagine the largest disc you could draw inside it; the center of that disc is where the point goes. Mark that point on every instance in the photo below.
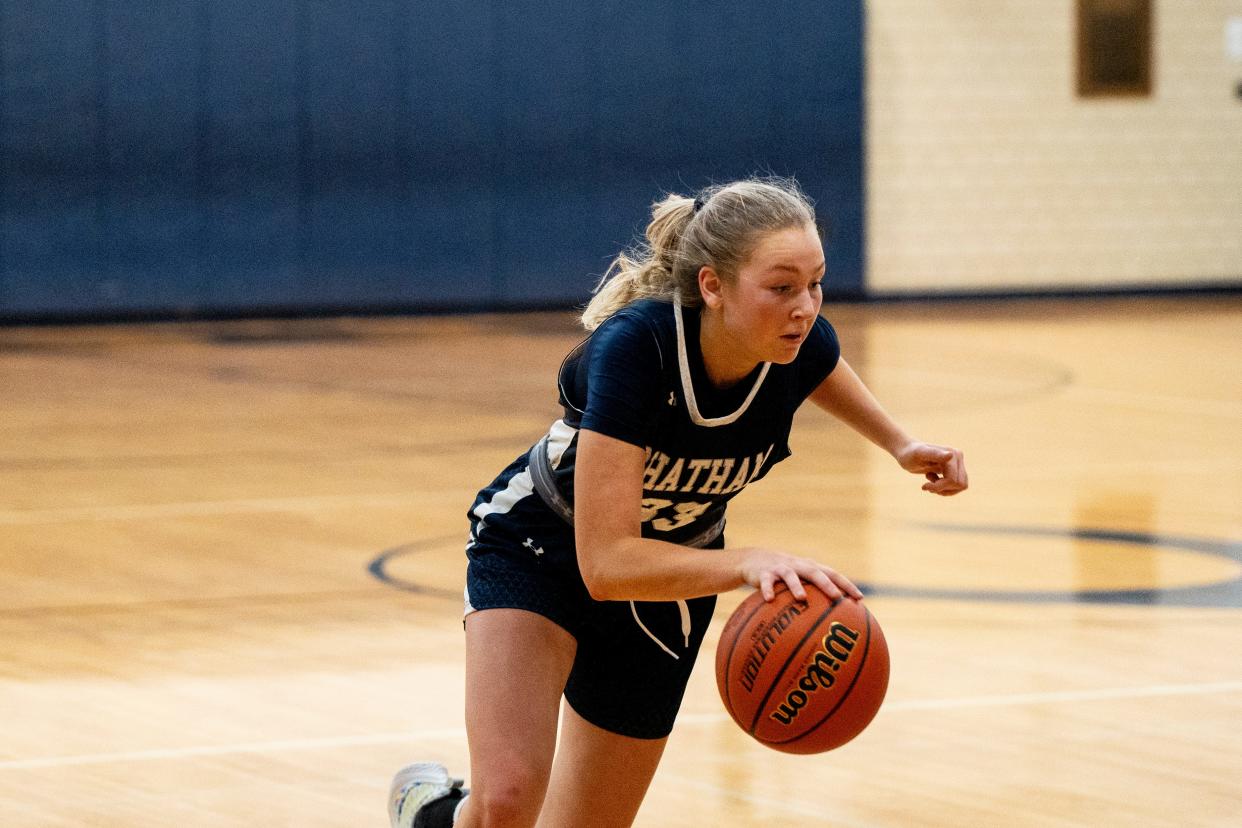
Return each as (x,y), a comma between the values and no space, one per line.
(687,386)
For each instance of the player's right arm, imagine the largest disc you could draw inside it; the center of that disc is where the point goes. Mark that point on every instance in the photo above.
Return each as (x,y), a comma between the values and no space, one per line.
(619,564)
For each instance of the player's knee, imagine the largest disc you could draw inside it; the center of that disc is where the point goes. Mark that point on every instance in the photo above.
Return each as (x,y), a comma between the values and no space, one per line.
(509,798)
(504,806)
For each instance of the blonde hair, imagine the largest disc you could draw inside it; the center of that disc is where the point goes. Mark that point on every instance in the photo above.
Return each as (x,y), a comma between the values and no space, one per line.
(719,228)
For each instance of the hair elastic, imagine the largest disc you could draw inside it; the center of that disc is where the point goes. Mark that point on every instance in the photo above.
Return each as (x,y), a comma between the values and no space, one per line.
(698,204)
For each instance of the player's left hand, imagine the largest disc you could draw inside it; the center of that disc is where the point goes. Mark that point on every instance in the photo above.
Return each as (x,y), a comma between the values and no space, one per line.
(944,467)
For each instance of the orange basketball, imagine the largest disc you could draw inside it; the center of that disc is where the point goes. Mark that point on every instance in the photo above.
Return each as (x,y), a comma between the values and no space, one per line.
(802,677)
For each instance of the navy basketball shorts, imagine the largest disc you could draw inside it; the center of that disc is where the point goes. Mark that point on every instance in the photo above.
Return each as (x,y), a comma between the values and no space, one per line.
(633,658)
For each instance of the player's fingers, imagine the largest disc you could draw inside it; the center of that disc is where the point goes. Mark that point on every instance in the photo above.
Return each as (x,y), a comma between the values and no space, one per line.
(794,583)
(932,459)
(765,586)
(955,473)
(959,470)
(944,486)
(932,462)
(847,586)
(952,478)
(825,583)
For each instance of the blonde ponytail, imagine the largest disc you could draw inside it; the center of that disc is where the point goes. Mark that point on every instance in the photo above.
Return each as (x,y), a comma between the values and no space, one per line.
(719,228)
(648,271)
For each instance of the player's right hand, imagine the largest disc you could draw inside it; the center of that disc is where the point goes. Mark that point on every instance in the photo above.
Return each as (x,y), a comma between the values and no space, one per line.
(763,568)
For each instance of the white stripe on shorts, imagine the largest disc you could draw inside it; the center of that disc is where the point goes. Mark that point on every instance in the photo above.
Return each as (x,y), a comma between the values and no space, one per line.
(520,486)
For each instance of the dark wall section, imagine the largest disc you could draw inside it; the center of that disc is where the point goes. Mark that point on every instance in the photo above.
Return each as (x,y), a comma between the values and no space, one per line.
(199,157)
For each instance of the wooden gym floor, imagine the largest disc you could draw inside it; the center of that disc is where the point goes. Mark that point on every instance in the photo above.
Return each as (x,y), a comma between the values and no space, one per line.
(231,558)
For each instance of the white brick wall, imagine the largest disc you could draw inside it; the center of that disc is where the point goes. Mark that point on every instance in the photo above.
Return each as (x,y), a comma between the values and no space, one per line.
(985,171)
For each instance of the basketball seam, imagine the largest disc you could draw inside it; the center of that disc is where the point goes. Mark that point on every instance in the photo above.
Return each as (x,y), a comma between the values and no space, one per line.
(754,725)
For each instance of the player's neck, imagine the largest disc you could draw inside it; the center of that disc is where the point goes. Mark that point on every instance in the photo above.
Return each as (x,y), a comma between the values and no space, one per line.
(726,364)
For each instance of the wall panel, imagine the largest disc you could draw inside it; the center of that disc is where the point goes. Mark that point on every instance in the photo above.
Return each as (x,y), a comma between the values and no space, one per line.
(214,156)
(52,181)
(987,172)
(150,105)
(250,155)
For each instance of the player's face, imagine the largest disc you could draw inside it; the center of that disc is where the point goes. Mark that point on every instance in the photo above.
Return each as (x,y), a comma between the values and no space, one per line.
(771,305)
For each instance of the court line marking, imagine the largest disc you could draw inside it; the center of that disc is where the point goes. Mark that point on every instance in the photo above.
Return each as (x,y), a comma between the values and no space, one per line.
(147,511)
(1222,592)
(153,511)
(1054,697)
(794,806)
(199,508)
(1167,402)
(459,733)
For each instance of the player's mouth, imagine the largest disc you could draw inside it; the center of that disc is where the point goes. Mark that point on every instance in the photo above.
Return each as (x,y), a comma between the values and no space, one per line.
(794,338)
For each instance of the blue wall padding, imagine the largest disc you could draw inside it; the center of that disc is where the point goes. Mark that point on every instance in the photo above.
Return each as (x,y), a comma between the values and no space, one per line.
(221,156)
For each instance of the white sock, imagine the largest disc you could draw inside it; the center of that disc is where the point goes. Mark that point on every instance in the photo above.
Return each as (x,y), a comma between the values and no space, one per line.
(457,810)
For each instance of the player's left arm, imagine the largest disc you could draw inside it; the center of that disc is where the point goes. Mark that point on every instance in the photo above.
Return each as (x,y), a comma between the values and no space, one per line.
(843,395)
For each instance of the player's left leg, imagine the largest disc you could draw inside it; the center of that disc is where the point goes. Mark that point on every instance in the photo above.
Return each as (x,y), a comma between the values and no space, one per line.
(599,778)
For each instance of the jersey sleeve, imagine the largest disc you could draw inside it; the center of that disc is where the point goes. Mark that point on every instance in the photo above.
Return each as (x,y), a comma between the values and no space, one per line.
(818,356)
(623,380)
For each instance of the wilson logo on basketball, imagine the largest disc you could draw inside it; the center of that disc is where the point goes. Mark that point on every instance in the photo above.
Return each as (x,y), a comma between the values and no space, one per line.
(763,645)
(835,650)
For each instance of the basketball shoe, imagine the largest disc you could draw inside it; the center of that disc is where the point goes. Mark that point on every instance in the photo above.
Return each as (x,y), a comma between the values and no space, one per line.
(417,786)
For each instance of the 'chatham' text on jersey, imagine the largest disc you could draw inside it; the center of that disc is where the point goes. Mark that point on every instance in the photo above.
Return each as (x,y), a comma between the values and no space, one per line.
(640,378)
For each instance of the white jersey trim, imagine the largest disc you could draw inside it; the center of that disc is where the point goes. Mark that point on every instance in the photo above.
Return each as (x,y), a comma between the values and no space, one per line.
(560,438)
(687,386)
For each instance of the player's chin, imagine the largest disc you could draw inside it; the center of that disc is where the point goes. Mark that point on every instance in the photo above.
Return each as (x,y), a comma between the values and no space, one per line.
(786,351)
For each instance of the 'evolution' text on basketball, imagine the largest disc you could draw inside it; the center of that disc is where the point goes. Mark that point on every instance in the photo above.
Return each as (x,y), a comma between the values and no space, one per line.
(764,642)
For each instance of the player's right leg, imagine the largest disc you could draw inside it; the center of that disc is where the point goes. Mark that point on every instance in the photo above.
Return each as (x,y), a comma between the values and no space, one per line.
(517,663)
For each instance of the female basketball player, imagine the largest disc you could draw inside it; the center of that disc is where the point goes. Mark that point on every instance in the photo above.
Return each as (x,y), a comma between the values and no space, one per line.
(595,558)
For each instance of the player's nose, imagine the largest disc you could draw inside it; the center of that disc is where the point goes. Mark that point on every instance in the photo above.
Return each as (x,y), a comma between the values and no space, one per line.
(806,306)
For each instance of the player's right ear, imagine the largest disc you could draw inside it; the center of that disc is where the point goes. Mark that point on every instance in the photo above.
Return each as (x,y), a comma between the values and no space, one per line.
(710,287)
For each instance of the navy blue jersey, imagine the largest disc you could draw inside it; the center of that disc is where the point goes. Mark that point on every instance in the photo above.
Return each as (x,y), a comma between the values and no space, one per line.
(639,377)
